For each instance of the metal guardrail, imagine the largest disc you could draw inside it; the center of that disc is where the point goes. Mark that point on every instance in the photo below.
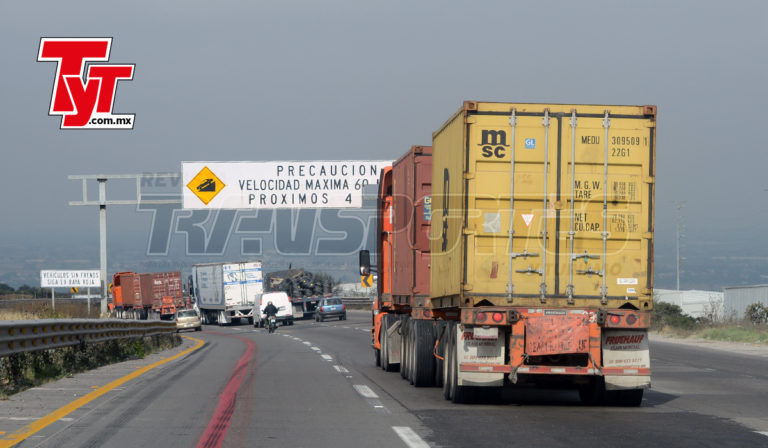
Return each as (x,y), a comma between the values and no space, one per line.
(31,335)
(356,300)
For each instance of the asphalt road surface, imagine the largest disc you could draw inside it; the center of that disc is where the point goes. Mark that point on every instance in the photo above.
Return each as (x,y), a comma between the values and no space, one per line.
(315,385)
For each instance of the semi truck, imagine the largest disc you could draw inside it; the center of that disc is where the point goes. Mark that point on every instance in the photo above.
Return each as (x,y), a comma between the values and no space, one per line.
(226,293)
(156,295)
(304,288)
(540,257)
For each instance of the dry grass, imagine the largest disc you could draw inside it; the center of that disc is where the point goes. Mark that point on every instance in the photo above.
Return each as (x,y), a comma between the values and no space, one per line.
(41,309)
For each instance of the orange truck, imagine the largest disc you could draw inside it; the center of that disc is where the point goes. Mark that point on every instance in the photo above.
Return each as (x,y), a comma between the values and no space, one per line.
(156,295)
(540,261)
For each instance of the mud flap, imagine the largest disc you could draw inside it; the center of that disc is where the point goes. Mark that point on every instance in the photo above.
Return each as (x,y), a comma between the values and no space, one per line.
(482,348)
(628,350)
(393,342)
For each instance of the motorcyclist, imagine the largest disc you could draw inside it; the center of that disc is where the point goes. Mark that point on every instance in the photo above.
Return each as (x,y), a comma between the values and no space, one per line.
(270,309)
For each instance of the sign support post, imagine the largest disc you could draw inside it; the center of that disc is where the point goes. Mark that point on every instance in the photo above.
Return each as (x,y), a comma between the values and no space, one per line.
(103,242)
(103,202)
(53,298)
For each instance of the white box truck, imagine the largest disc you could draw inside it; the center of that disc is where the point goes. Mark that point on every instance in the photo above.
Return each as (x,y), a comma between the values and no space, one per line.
(227,292)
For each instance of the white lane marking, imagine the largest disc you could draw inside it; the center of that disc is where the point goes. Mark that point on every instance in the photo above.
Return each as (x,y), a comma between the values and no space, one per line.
(235,328)
(296,339)
(307,343)
(326,357)
(341,369)
(765,433)
(317,349)
(365,391)
(410,437)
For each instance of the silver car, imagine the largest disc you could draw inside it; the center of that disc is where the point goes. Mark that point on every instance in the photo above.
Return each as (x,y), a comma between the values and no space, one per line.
(188,320)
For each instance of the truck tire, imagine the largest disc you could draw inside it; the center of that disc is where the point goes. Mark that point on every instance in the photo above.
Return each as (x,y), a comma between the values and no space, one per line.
(383,343)
(629,397)
(593,393)
(424,365)
(412,337)
(377,356)
(404,347)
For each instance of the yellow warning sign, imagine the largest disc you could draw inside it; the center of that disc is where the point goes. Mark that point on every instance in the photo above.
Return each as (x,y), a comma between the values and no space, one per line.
(74,289)
(205,185)
(366,281)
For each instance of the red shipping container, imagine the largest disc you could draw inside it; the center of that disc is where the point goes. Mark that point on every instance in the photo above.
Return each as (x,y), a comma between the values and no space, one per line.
(130,289)
(166,284)
(147,288)
(412,211)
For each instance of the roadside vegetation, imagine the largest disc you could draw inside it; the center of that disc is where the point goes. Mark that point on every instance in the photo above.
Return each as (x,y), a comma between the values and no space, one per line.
(22,371)
(669,320)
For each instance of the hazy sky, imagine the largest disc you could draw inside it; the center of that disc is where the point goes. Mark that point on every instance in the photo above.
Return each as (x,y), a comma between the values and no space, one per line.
(340,80)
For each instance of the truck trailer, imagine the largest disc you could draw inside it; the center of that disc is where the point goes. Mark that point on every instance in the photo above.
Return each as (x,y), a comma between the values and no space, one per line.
(226,293)
(540,256)
(155,295)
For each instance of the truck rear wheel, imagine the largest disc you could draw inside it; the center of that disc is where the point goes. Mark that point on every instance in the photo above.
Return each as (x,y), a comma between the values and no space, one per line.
(377,356)
(404,347)
(629,397)
(383,343)
(458,394)
(595,394)
(411,351)
(424,365)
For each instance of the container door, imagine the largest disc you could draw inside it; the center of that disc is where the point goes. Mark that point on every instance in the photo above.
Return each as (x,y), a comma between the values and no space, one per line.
(608,255)
(532,180)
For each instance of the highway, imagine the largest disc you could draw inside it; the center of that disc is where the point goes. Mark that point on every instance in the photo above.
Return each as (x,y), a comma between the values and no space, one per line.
(315,385)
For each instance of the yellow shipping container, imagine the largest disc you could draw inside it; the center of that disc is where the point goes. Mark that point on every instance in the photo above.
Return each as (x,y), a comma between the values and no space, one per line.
(565,240)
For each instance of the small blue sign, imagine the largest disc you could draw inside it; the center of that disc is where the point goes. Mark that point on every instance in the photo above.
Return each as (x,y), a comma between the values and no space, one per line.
(530,143)
(427,208)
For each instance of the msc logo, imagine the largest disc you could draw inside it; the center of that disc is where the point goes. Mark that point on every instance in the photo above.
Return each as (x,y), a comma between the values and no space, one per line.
(84,94)
(493,143)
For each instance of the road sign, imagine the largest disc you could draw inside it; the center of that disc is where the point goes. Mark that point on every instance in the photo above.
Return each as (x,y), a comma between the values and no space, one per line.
(205,185)
(274,185)
(67,279)
(366,281)
(74,290)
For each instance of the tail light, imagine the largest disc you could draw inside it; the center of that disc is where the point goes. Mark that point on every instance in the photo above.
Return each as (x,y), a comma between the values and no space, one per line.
(481,317)
(322,309)
(615,320)
(343,307)
(631,319)
(497,317)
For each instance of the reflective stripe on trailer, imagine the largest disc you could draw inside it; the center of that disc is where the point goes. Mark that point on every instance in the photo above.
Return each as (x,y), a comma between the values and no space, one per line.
(501,368)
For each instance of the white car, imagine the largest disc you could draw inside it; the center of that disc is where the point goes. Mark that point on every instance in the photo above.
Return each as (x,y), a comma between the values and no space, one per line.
(283,304)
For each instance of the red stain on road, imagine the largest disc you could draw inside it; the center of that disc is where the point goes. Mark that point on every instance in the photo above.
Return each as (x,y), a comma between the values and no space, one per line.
(219,424)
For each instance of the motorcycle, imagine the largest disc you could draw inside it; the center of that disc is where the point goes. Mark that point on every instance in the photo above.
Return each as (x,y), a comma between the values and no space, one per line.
(272,323)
